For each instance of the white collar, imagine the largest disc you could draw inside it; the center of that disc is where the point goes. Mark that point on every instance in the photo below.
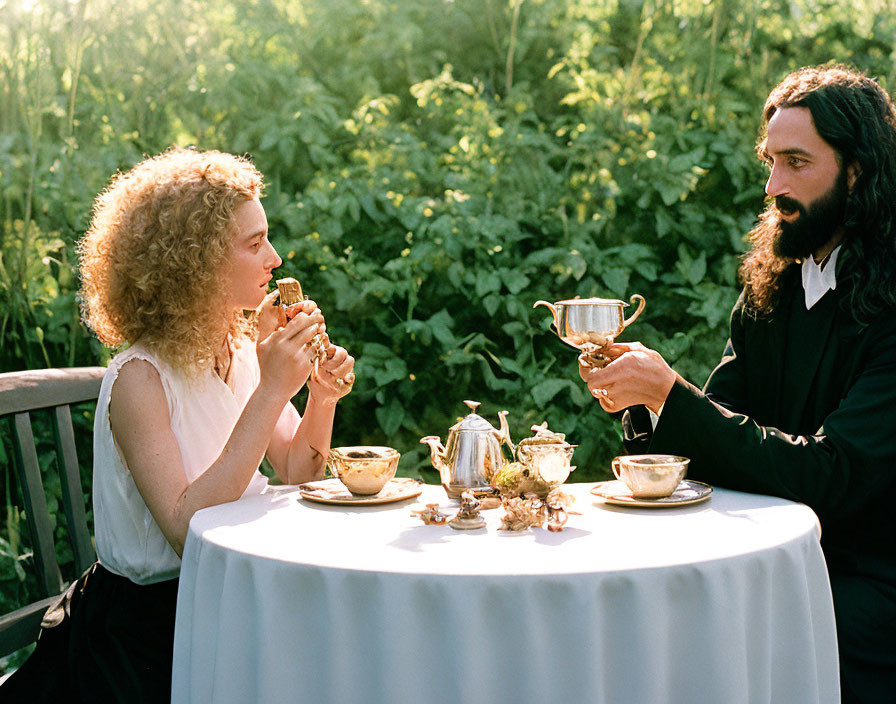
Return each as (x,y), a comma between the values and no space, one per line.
(817,281)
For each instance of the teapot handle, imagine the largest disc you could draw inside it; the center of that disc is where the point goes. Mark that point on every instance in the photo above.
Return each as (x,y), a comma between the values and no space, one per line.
(641,303)
(503,434)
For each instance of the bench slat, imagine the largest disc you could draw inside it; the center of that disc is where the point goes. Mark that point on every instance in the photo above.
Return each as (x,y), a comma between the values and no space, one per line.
(72,497)
(38,515)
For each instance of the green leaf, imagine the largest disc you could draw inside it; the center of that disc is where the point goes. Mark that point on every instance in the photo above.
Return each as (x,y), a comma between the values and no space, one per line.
(441,324)
(270,138)
(354,208)
(368,204)
(664,222)
(394,369)
(487,282)
(390,416)
(616,280)
(692,269)
(669,192)
(513,366)
(418,330)
(545,391)
(514,280)
(579,266)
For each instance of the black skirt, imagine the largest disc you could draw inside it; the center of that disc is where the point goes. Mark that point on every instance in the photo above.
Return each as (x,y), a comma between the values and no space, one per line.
(108,640)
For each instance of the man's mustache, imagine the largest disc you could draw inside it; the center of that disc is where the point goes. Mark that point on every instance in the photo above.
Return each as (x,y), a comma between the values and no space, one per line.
(789,205)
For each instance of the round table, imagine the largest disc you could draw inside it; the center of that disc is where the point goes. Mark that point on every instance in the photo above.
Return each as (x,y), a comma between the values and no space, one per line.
(282,599)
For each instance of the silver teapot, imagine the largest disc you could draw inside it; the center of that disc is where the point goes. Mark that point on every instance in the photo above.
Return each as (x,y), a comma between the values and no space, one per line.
(472,453)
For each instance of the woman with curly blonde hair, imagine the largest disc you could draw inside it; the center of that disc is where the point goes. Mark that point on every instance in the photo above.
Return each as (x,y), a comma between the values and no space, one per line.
(176,253)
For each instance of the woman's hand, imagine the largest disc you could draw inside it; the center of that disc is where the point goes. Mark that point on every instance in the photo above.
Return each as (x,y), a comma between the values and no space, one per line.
(334,375)
(634,376)
(285,355)
(269,316)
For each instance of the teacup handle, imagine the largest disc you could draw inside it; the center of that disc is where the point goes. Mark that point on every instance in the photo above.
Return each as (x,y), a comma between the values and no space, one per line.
(553,310)
(641,304)
(615,465)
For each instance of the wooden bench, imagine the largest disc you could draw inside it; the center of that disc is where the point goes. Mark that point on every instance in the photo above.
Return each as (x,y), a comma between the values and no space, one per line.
(21,394)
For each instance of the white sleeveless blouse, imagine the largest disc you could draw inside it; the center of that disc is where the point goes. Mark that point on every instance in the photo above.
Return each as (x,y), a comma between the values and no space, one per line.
(203,413)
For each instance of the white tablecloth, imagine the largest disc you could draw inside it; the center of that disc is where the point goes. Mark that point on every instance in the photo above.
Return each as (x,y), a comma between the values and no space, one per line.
(286,600)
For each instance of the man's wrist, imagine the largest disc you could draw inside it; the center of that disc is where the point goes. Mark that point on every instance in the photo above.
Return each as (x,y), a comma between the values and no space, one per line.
(656,408)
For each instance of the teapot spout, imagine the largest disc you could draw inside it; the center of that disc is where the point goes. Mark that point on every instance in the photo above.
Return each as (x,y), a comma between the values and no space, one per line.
(436,451)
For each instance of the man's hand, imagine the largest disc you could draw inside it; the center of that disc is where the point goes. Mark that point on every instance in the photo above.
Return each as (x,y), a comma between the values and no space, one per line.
(635,375)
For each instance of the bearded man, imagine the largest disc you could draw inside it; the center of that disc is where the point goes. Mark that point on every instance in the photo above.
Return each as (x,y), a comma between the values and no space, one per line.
(803,402)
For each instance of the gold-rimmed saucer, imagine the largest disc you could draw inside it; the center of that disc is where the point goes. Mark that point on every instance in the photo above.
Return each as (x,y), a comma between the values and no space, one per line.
(617,493)
(333,491)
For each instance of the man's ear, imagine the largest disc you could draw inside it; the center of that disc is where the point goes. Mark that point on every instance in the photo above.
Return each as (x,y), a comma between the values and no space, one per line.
(853,171)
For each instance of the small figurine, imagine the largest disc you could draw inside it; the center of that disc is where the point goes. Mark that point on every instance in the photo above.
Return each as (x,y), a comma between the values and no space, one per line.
(468,517)
(431,515)
(556,505)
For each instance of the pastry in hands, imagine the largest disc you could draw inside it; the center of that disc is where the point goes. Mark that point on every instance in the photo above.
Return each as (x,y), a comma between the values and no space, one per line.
(290,291)
(290,294)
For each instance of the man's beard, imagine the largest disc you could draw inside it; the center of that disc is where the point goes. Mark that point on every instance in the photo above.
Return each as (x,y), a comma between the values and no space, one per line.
(816,223)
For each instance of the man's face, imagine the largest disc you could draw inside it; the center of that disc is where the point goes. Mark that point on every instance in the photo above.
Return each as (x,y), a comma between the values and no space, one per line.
(807,183)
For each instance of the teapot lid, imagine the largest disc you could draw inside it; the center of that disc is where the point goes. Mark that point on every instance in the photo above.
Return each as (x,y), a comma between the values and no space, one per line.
(473,421)
(544,436)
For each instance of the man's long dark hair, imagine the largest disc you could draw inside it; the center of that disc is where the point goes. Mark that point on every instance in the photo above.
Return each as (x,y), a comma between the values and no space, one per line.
(855,116)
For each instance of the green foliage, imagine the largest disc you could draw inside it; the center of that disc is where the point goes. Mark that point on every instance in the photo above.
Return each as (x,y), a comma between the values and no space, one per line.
(433,168)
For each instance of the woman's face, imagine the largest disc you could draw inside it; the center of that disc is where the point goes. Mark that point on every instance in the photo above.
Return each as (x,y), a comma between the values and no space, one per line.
(253,258)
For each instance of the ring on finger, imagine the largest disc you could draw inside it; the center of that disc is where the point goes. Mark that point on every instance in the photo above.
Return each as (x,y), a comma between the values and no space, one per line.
(600,393)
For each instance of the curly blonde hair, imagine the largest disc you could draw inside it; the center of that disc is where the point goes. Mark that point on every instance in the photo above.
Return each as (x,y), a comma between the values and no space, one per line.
(151,260)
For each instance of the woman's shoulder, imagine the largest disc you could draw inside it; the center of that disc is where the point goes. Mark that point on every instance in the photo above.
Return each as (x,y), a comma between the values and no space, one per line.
(138,370)
(146,356)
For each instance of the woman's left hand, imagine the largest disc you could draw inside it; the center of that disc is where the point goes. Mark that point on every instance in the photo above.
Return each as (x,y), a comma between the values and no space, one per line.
(334,375)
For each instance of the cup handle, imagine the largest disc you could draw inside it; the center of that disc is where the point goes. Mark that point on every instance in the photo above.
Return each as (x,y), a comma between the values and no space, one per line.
(641,304)
(615,466)
(553,311)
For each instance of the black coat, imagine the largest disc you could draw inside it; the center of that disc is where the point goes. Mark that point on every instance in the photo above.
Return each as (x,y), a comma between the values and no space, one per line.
(803,406)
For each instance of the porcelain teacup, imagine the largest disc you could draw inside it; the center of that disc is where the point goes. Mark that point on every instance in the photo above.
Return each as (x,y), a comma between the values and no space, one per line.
(650,476)
(364,469)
